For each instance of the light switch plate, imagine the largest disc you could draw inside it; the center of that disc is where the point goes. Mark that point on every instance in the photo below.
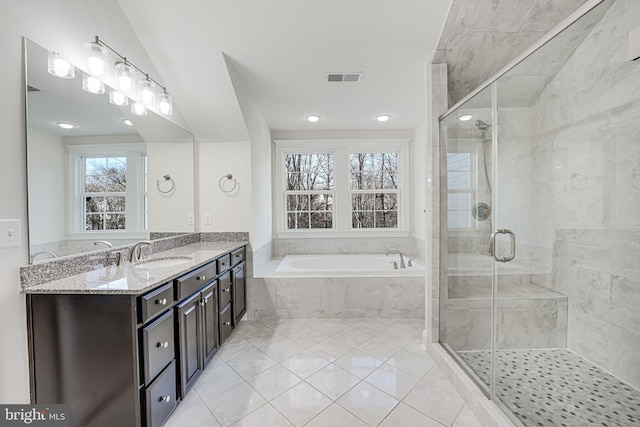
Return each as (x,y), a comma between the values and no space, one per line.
(190,219)
(10,233)
(634,44)
(206,219)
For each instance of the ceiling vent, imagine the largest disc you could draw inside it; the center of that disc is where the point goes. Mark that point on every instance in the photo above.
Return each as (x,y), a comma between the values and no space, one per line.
(345,77)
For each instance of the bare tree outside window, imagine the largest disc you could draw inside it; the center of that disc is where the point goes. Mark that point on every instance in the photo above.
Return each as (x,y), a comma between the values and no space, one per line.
(374,190)
(105,184)
(309,191)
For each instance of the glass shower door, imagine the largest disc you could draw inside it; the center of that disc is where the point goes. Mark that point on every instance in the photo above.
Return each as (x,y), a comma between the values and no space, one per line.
(466,281)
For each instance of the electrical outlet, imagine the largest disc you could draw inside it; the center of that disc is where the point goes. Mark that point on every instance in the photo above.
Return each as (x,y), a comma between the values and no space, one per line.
(206,219)
(190,219)
(10,233)
(634,44)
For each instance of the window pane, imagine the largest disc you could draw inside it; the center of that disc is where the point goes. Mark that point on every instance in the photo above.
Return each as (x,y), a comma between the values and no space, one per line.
(321,202)
(386,219)
(386,202)
(459,201)
(309,171)
(321,220)
(296,221)
(115,204)
(105,174)
(93,204)
(361,219)
(459,180)
(94,222)
(297,203)
(114,221)
(459,219)
(370,171)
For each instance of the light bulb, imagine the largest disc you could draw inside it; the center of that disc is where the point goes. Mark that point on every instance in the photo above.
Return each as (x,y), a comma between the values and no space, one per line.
(124,76)
(383,117)
(92,84)
(96,64)
(138,109)
(165,104)
(147,92)
(313,118)
(65,125)
(118,98)
(59,66)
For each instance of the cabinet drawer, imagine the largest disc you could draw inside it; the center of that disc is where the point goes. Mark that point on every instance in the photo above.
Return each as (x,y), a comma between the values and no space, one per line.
(160,397)
(226,323)
(193,281)
(237,256)
(224,286)
(157,346)
(224,262)
(155,302)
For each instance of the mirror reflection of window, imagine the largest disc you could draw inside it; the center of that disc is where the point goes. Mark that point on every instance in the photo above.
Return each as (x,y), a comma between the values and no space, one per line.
(460,189)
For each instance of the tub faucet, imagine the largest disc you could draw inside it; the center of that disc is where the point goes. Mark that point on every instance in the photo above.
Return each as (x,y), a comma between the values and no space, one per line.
(136,251)
(103,242)
(396,251)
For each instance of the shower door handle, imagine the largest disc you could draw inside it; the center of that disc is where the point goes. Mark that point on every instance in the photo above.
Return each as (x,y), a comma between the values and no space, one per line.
(492,245)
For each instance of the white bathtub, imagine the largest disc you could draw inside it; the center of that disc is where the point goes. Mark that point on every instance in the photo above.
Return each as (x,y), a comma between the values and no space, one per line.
(346,265)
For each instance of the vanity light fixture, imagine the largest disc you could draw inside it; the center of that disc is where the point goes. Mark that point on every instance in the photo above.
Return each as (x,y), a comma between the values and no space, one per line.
(118,98)
(138,109)
(383,117)
(127,122)
(96,59)
(465,117)
(65,125)
(92,84)
(60,67)
(125,81)
(313,118)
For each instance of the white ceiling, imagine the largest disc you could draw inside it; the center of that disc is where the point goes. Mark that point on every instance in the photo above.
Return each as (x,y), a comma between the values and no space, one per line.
(282,51)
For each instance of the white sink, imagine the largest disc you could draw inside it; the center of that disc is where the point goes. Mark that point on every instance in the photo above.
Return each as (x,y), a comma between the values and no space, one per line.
(163,262)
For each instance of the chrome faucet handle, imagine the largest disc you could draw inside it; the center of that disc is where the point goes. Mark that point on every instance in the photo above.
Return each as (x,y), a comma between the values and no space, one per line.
(119,257)
(409,264)
(395,264)
(136,251)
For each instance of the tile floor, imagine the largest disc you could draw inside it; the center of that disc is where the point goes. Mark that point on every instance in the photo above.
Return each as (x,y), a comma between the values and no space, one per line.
(323,373)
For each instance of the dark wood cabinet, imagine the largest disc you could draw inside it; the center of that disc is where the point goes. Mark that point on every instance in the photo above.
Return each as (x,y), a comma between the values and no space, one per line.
(128,360)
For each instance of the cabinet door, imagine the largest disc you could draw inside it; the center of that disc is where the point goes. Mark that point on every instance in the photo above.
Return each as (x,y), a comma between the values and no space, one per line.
(209,321)
(224,284)
(189,359)
(239,292)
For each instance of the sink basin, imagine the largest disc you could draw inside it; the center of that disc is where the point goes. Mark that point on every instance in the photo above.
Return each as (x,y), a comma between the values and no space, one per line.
(163,262)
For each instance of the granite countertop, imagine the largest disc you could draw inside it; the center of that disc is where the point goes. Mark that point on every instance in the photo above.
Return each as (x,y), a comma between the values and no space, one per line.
(132,279)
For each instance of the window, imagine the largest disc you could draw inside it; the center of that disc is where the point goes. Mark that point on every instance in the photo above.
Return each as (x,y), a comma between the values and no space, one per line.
(374,190)
(341,187)
(104,193)
(107,192)
(309,191)
(460,188)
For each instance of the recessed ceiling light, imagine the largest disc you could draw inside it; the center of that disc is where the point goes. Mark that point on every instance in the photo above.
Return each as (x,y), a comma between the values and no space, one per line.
(64,125)
(313,118)
(383,117)
(465,117)
(127,122)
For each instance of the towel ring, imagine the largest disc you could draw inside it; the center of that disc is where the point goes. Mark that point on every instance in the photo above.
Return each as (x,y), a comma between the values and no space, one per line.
(228,177)
(167,177)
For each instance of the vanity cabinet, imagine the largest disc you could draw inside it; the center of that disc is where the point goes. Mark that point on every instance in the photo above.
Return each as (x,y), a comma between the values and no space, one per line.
(125,359)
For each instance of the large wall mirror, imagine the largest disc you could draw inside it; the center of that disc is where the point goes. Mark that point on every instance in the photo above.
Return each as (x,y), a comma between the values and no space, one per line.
(114,177)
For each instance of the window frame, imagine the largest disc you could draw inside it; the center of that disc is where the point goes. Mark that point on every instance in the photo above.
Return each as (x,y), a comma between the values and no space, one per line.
(471,191)
(134,193)
(342,208)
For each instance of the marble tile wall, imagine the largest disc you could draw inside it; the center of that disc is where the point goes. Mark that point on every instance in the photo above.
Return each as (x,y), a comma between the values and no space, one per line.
(357,245)
(586,193)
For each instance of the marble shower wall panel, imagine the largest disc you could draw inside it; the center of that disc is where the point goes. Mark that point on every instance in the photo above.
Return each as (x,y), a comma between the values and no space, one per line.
(586,192)
(313,297)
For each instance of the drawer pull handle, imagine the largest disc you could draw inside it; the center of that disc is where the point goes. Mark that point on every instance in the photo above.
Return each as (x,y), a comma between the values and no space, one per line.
(206,300)
(162,301)
(226,290)
(165,399)
(238,256)
(227,323)
(201,277)
(163,344)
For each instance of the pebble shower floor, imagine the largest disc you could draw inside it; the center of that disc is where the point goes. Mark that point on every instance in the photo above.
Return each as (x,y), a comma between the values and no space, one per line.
(556,387)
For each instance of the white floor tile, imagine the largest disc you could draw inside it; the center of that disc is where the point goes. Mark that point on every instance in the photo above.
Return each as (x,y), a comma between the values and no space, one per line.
(352,336)
(368,403)
(435,396)
(274,381)
(192,412)
(358,363)
(216,378)
(305,364)
(406,416)
(234,348)
(282,349)
(236,403)
(413,363)
(392,381)
(336,416)
(266,416)
(251,363)
(466,419)
(329,326)
(331,349)
(301,403)
(308,337)
(333,381)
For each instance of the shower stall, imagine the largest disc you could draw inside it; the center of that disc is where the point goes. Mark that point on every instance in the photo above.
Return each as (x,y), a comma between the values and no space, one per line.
(539,298)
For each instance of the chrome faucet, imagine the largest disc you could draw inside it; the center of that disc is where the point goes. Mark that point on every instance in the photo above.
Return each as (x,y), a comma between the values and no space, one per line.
(396,251)
(136,251)
(103,242)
